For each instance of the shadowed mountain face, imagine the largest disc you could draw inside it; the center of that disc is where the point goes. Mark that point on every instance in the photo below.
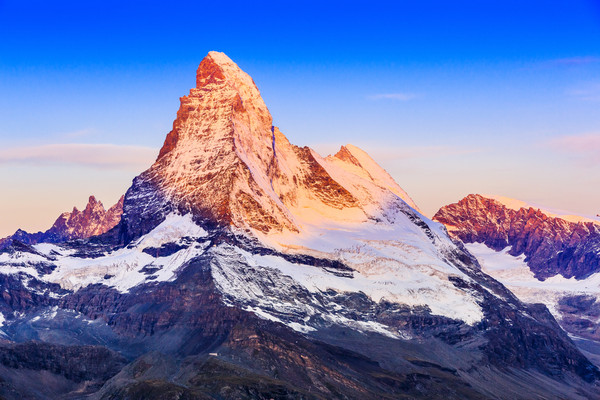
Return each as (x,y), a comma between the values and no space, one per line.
(92,221)
(552,246)
(246,267)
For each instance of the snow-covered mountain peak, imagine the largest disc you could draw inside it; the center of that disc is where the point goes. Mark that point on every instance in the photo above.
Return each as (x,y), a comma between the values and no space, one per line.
(553,244)
(227,164)
(366,167)
(267,255)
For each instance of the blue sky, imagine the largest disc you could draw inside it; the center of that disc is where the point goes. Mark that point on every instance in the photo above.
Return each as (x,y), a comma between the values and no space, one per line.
(450,97)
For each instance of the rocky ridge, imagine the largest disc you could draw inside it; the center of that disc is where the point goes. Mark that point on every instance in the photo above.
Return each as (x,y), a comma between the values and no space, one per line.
(93,220)
(540,257)
(552,246)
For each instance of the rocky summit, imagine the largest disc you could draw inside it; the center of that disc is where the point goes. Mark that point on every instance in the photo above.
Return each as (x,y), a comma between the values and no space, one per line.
(244,266)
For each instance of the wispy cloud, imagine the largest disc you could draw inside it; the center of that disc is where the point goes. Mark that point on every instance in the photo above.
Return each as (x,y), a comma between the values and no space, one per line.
(585,147)
(393,96)
(590,92)
(104,156)
(581,60)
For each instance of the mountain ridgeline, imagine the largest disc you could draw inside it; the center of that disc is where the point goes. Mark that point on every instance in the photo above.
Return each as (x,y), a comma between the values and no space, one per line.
(552,245)
(245,267)
(93,220)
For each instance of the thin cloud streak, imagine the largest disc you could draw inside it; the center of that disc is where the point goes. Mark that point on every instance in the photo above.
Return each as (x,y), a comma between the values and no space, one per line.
(393,96)
(75,135)
(585,147)
(103,156)
(581,60)
(588,93)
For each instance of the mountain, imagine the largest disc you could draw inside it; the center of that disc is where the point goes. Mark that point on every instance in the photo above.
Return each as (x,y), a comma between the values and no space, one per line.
(539,255)
(552,245)
(246,267)
(227,164)
(92,221)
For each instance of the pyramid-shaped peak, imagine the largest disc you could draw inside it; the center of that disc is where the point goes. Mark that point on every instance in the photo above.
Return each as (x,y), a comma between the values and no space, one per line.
(94,204)
(220,58)
(218,68)
(227,164)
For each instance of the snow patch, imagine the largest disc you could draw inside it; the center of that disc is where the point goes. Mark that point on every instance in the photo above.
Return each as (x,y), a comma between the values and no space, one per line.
(514,273)
(122,269)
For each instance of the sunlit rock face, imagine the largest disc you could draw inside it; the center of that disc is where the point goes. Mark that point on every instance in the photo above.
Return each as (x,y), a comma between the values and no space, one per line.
(226,162)
(93,220)
(552,245)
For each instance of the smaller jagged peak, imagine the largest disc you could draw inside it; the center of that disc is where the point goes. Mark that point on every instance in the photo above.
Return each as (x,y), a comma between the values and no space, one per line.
(362,164)
(94,204)
(345,155)
(475,202)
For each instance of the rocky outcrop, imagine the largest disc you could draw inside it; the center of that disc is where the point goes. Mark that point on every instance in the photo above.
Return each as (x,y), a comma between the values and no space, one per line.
(551,245)
(93,220)
(37,370)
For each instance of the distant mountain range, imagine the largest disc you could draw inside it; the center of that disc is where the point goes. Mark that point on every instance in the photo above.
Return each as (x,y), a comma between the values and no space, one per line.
(92,221)
(242,266)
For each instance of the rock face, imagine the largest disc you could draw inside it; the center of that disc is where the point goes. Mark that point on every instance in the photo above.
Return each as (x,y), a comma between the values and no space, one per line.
(552,246)
(92,221)
(309,277)
(225,162)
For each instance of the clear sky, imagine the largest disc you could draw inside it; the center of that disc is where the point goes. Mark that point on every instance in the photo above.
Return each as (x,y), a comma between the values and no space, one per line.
(452,98)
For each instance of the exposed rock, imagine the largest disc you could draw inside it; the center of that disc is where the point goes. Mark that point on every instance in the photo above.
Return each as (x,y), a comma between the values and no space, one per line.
(551,245)
(92,221)
(225,162)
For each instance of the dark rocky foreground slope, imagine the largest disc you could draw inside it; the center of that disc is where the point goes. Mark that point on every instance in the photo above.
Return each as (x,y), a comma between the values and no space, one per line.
(165,333)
